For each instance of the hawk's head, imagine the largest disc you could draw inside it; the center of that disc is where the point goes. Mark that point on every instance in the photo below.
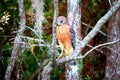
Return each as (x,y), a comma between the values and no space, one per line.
(61,21)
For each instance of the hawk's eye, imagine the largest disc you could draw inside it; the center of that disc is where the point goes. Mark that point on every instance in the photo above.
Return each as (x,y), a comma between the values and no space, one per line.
(61,21)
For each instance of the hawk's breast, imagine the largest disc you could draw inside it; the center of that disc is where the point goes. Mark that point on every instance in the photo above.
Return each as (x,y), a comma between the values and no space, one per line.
(63,33)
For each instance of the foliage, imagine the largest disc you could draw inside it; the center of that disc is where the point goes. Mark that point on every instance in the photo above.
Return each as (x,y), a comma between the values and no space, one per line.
(58,73)
(30,65)
(87,77)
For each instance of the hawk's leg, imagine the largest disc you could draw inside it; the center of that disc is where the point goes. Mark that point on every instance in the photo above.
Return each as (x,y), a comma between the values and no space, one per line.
(68,50)
(62,51)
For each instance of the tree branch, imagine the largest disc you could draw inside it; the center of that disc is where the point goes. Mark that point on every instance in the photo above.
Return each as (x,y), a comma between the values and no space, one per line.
(95,49)
(92,28)
(54,22)
(100,45)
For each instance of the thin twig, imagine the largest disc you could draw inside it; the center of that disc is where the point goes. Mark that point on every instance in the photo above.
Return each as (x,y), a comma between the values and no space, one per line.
(92,28)
(110,49)
(7,36)
(95,49)
(31,39)
(23,43)
(110,3)
(34,32)
(100,45)
(27,44)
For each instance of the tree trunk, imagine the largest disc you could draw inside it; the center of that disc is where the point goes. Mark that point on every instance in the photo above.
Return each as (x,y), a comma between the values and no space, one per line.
(18,49)
(74,20)
(37,6)
(113,54)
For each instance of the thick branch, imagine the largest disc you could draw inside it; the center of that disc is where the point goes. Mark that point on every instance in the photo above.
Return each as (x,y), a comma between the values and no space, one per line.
(54,25)
(54,32)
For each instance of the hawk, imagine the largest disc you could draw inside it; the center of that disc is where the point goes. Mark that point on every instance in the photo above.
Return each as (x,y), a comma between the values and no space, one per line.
(65,36)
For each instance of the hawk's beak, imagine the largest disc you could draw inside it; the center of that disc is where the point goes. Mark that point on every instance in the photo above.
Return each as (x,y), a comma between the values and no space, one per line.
(58,24)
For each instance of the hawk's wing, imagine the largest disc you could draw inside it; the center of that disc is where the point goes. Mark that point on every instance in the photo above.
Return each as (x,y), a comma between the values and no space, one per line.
(72,37)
